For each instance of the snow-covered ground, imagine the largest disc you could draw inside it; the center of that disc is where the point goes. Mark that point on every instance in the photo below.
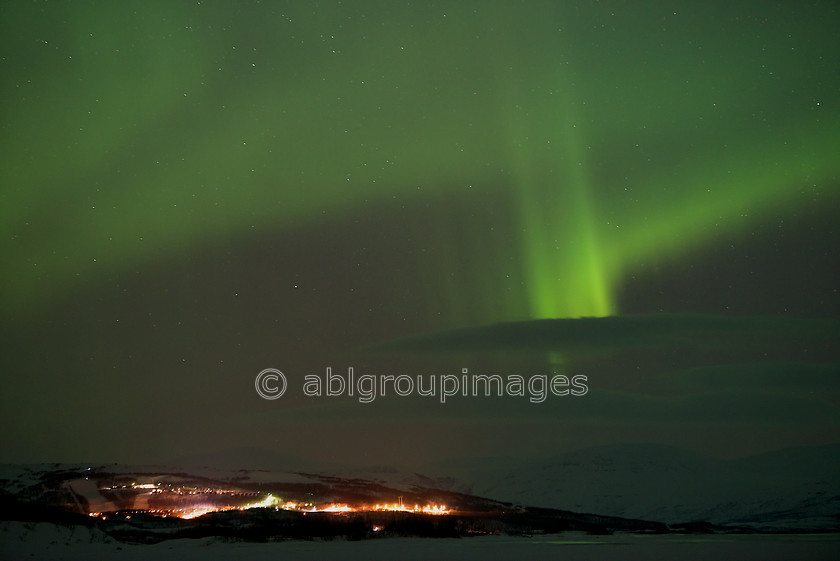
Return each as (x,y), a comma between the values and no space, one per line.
(794,488)
(22,541)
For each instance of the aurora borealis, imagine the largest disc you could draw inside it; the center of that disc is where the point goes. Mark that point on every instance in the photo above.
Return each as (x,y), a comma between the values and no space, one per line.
(195,191)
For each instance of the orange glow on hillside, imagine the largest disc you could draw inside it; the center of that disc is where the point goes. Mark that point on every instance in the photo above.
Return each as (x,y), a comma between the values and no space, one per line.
(191,502)
(398,507)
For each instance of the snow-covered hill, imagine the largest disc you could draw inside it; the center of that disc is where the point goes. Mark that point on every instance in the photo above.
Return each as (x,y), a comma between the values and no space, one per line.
(794,488)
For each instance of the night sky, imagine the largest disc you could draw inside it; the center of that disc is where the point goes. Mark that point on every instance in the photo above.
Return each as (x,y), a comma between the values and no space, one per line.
(192,192)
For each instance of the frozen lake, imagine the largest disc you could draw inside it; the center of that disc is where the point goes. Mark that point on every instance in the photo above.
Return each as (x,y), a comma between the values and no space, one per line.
(46,541)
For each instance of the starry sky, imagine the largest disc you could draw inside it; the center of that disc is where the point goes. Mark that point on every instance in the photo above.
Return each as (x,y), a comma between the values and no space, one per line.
(192,192)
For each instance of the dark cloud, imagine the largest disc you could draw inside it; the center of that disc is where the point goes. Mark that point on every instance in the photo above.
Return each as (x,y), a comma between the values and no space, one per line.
(588,337)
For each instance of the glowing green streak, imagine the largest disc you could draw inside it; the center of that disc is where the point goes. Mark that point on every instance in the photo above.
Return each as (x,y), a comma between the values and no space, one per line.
(574,255)
(117,154)
(563,256)
(727,198)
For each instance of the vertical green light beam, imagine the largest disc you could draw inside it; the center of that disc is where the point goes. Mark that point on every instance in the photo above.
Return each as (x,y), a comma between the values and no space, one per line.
(561,251)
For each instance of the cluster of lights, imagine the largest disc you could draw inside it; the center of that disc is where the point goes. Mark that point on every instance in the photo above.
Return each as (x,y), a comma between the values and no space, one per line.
(339,508)
(399,507)
(269,501)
